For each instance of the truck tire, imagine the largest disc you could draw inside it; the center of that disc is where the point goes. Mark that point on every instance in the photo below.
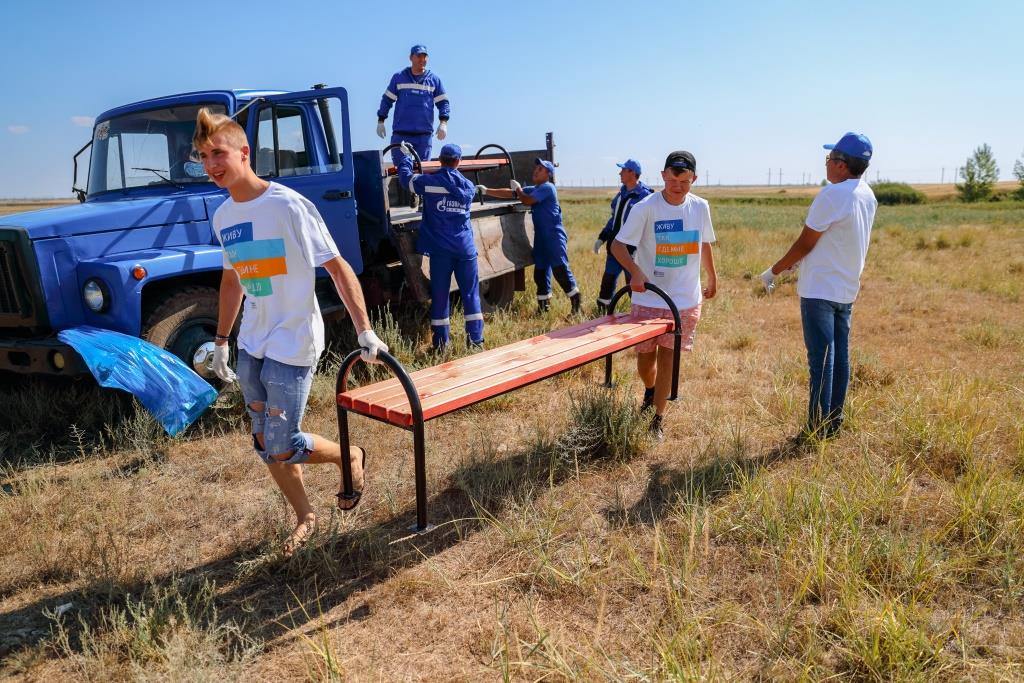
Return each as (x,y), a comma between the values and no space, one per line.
(498,292)
(183,323)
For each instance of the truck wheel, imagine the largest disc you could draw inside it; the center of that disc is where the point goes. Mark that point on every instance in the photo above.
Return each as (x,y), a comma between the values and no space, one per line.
(184,324)
(497,292)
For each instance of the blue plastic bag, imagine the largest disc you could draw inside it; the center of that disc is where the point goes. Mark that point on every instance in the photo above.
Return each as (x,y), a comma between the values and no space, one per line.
(168,388)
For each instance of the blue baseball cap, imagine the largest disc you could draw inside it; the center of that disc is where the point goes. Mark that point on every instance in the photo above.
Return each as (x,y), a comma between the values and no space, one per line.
(631,165)
(546,164)
(854,145)
(450,151)
(417,50)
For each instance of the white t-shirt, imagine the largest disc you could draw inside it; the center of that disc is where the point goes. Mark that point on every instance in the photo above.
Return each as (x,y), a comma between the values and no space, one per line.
(668,241)
(274,243)
(843,213)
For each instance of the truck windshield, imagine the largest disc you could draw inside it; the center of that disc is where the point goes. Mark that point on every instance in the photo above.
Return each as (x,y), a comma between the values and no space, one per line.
(146,149)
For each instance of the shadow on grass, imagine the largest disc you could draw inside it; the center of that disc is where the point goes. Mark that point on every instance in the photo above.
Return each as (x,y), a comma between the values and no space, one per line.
(269,596)
(669,488)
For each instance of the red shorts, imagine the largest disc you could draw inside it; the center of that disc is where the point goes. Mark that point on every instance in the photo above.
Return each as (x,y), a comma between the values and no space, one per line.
(688,317)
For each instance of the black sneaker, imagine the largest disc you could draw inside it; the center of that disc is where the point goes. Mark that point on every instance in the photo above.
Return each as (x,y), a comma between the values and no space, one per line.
(648,401)
(543,305)
(575,301)
(657,430)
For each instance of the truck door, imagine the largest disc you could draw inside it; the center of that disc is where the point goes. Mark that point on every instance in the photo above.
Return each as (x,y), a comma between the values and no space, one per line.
(301,140)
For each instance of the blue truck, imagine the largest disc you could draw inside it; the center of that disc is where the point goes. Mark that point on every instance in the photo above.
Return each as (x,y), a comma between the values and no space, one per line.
(137,254)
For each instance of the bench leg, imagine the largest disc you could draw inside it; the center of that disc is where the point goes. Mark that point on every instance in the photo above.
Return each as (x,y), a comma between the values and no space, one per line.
(608,371)
(420,457)
(346,463)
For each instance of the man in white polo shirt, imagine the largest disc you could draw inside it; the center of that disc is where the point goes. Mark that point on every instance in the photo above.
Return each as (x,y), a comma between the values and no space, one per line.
(831,251)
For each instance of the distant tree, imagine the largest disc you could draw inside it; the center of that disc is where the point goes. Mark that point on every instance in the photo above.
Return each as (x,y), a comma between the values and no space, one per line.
(1018,173)
(979,174)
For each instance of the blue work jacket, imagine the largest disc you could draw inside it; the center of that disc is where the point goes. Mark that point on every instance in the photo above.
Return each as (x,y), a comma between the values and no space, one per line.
(547,214)
(621,204)
(414,98)
(447,196)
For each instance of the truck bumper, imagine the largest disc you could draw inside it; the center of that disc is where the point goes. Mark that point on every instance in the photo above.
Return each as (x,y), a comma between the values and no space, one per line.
(40,357)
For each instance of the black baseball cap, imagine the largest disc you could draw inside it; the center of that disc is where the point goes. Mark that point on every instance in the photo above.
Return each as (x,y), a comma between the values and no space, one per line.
(681,161)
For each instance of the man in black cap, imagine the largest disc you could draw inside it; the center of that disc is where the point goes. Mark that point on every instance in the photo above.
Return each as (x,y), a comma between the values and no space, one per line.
(672,233)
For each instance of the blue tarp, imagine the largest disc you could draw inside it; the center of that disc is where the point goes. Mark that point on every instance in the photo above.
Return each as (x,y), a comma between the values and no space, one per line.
(168,388)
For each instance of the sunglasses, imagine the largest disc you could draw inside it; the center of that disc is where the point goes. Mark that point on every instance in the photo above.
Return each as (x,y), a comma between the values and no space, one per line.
(830,157)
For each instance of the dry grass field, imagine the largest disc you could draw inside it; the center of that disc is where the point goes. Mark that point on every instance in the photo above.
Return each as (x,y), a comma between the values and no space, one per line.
(895,552)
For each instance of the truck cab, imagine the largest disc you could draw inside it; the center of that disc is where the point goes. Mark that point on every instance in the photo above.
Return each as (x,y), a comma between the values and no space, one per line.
(137,255)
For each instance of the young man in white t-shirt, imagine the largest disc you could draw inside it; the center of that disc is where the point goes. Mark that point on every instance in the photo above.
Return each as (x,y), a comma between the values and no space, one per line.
(273,240)
(672,233)
(831,251)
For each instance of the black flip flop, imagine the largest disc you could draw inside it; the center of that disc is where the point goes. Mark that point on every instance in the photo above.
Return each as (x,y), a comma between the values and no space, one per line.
(356,495)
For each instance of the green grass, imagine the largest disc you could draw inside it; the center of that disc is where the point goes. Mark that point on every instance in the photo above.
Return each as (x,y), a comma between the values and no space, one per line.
(568,546)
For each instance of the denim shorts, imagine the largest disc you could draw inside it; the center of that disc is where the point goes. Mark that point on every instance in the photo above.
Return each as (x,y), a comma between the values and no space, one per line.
(283,390)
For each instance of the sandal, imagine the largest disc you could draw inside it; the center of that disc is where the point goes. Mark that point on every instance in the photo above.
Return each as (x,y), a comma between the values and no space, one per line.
(356,495)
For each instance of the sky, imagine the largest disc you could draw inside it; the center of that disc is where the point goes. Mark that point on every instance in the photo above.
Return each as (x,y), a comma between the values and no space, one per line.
(750,88)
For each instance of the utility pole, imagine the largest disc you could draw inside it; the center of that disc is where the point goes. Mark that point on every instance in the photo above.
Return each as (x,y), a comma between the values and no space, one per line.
(943,177)
(780,177)
(769,177)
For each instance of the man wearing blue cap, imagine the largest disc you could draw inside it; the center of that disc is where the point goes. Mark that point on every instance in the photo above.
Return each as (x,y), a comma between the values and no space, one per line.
(550,243)
(831,251)
(630,193)
(414,91)
(446,236)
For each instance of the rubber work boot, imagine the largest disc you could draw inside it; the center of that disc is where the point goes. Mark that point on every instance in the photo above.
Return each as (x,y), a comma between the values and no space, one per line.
(575,301)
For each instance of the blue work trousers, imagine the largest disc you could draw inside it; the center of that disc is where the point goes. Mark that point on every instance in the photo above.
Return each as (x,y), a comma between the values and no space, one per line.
(827,338)
(442,266)
(550,253)
(421,143)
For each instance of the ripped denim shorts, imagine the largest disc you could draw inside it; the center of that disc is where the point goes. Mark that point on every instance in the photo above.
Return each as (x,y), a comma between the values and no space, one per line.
(280,392)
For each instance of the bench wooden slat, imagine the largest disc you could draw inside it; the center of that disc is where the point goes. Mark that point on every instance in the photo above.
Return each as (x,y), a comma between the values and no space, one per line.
(456,384)
(494,360)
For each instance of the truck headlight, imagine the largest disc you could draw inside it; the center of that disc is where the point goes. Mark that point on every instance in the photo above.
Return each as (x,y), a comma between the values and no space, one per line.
(95,295)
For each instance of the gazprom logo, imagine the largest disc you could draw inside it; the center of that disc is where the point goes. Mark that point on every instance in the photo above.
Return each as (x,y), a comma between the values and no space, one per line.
(451,205)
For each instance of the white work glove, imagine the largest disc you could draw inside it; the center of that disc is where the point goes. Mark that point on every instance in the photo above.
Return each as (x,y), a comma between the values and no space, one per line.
(381,130)
(372,345)
(406,148)
(515,186)
(220,363)
(768,280)
(598,243)
(442,130)
(481,189)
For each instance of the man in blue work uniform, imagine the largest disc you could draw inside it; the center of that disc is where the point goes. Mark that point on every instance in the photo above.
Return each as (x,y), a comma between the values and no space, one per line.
(550,253)
(414,91)
(630,193)
(446,236)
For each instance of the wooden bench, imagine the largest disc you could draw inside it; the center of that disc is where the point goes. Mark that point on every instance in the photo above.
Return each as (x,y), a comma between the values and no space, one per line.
(410,400)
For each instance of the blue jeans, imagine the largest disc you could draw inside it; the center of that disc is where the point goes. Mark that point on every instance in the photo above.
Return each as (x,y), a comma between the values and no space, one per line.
(442,265)
(827,338)
(282,390)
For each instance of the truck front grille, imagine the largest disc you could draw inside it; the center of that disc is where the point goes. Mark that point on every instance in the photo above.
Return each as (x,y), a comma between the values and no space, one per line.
(12,297)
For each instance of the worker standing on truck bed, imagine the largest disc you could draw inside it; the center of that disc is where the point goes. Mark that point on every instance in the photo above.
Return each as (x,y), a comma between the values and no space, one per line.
(446,236)
(415,91)
(550,243)
(630,193)
(273,240)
